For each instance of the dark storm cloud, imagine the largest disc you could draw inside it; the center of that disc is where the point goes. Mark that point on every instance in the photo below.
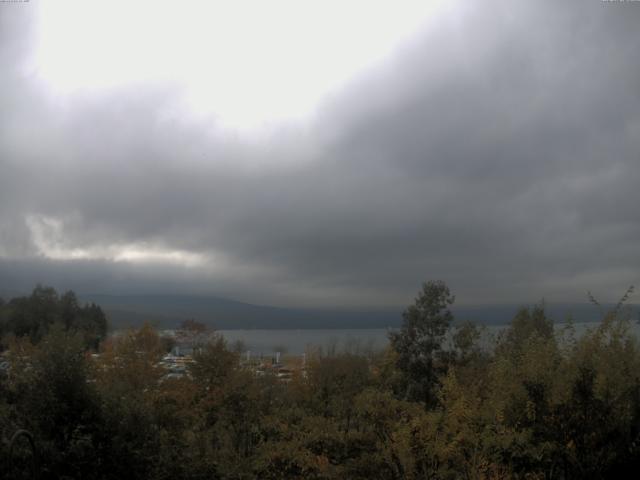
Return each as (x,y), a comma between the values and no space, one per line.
(498,151)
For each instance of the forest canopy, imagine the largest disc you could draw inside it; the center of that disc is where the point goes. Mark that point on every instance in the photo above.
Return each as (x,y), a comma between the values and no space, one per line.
(537,401)
(34,315)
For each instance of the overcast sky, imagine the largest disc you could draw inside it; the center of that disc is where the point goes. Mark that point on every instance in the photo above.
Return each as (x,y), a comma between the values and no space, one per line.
(322,159)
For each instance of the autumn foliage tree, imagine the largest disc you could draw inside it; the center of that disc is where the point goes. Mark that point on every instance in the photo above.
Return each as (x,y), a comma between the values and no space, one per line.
(538,401)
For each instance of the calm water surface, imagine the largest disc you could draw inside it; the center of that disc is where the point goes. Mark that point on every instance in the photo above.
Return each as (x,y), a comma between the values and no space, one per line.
(297,342)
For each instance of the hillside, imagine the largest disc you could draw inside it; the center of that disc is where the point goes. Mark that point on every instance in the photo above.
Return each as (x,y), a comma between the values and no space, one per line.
(167,311)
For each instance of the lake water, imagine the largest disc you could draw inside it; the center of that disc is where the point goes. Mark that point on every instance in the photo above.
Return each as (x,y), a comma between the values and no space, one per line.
(296,342)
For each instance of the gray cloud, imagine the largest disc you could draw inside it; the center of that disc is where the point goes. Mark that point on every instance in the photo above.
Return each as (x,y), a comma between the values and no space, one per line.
(498,151)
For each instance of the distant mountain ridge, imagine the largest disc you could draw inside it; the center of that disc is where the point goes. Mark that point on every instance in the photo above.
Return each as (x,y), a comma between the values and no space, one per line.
(167,311)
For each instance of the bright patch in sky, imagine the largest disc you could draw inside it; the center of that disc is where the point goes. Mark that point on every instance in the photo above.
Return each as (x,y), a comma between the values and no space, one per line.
(49,238)
(249,63)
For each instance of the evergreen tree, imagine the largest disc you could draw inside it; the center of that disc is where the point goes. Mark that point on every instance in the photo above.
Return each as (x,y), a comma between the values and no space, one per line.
(418,344)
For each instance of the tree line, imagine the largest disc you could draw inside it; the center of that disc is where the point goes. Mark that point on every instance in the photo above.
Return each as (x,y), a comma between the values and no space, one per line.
(33,316)
(438,402)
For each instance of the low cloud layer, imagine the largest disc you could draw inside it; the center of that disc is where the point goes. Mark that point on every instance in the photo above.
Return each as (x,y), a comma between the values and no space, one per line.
(498,150)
